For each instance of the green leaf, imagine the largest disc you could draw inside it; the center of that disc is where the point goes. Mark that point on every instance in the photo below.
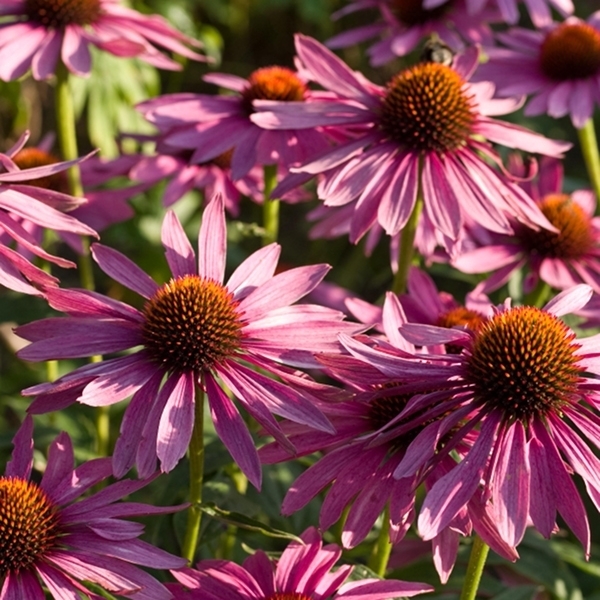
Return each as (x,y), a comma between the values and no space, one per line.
(244,522)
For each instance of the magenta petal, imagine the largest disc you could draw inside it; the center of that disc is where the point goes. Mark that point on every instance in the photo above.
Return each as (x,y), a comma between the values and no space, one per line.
(212,241)
(61,461)
(567,498)
(22,457)
(454,490)
(369,589)
(257,269)
(75,52)
(281,290)
(124,271)
(176,422)
(132,425)
(570,300)
(178,250)
(511,485)
(233,432)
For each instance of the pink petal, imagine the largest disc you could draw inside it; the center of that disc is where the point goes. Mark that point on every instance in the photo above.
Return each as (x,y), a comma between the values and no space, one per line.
(212,241)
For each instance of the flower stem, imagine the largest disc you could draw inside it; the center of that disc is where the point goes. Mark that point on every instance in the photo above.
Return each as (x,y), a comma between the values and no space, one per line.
(407,248)
(538,296)
(479,552)
(196,457)
(65,127)
(591,157)
(67,139)
(382,549)
(270,207)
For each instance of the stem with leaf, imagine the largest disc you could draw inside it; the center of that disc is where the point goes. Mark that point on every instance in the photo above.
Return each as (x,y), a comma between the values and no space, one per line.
(196,458)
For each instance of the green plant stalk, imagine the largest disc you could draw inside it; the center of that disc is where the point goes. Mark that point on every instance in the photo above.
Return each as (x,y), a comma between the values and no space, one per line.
(479,553)
(591,157)
(196,458)
(538,296)
(67,140)
(270,207)
(382,549)
(407,247)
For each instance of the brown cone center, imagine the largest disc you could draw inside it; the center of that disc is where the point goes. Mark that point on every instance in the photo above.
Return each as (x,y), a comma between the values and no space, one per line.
(571,51)
(273,83)
(574,238)
(59,14)
(523,362)
(427,109)
(191,323)
(30,158)
(411,12)
(29,525)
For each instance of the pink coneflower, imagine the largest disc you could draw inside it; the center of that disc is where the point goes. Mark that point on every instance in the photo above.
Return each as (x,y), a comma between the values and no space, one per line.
(529,389)
(302,572)
(213,125)
(40,33)
(212,177)
(539,10)
(33,197)
(50,536)
(559,67)
(361,456)
(405,23)
(192,330)
(424,303)
(100,209)
(423,131)
(562,259)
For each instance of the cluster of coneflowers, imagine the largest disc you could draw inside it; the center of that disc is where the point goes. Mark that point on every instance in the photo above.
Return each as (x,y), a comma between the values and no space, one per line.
(457,421)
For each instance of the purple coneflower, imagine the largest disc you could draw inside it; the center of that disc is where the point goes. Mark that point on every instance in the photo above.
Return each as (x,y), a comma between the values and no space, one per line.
(302,572)
(562,259)
(361,456)
(559,67)
(192,330)
(422,132)
(539,10)
(213,125)
(33,198)
(211,177)
(528,387)
(405,23)
(51,537)
(38,34)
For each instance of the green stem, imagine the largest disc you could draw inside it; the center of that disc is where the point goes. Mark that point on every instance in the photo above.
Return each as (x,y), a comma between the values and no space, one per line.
(589,149)
(407,247)
(479,552)
(382,549)
(538,296)
(67,139)
(65,128)
(196,457)
(270,207)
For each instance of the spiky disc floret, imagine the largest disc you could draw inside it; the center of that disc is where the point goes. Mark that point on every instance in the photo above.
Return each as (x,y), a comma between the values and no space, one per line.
(574,238)
(523,363)
(191,323)
(29,524)
(427,109)
(61,13)
(273,83)
(571,51)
